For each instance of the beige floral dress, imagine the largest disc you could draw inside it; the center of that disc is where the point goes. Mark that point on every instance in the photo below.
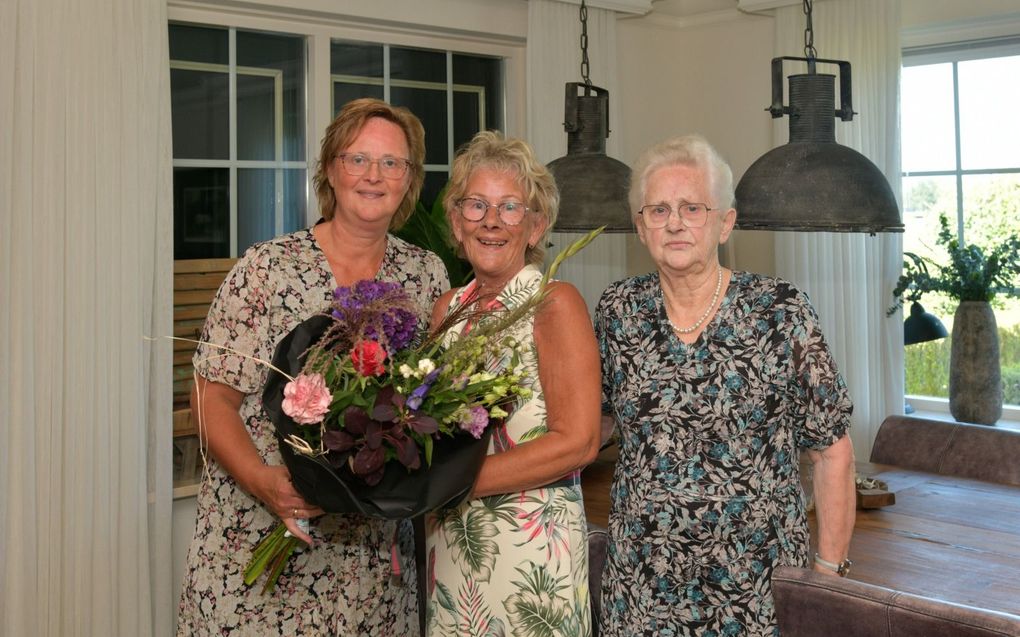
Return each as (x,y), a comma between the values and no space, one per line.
(346,584)
(516,563)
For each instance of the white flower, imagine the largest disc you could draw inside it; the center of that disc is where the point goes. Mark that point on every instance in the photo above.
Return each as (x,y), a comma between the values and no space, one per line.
(406,371)
(426,366)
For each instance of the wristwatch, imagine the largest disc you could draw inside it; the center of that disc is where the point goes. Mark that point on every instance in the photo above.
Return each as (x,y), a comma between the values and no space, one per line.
(842,568)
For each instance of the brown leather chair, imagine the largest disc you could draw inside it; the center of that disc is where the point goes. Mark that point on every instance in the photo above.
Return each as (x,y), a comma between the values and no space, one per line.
(979,452)
(811,604)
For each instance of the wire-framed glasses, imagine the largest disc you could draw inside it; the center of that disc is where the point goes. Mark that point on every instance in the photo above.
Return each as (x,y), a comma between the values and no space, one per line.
(510,212)
(693,215)
(357,164)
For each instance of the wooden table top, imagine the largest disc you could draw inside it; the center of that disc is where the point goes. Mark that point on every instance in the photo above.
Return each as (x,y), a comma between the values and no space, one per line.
(948,538)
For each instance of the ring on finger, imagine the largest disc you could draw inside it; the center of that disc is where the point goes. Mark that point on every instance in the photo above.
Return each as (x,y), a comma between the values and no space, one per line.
(295,513)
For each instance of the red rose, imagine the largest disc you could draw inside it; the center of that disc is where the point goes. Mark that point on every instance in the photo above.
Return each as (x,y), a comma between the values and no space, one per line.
(368,357)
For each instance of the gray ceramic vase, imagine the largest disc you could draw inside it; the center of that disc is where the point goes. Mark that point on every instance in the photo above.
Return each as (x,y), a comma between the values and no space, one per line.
(975,381)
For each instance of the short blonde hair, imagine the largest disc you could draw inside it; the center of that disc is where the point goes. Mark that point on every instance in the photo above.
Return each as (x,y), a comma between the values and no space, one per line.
(489,149)
(688,150)
(346,127)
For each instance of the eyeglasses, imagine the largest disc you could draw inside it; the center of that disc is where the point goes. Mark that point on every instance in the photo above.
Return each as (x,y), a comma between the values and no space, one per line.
(510,212)
(656,215)
(356,165)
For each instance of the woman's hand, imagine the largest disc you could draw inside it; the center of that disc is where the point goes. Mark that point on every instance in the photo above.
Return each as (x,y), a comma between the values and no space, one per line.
(215,407)
(275,489)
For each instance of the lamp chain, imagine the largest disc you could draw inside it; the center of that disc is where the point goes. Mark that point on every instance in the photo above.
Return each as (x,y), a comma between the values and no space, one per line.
(809,33)
(585,67)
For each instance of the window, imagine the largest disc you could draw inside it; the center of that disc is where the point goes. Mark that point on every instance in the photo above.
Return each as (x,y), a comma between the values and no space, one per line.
(237,106)
(961,158)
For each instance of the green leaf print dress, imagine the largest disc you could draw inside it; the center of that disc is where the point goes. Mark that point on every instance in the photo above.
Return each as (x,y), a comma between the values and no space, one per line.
(516,563)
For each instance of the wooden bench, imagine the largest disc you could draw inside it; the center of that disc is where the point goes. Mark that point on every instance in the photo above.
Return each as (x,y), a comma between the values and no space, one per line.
(195,284)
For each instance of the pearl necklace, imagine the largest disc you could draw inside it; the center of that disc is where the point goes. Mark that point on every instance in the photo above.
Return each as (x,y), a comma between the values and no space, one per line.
(704,315)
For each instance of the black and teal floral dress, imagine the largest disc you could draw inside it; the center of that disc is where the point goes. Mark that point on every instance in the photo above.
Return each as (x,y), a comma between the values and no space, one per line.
(706,499)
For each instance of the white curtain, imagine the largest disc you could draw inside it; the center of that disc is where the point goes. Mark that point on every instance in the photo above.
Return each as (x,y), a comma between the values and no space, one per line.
(553,59)
(850,277)
(85,238)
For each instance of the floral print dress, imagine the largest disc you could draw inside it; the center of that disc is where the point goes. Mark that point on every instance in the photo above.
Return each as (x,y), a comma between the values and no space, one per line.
(517,563)
(345,585)
(706,498)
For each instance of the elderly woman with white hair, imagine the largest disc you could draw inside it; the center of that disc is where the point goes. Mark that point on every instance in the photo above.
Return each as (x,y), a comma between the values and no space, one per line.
(717,379)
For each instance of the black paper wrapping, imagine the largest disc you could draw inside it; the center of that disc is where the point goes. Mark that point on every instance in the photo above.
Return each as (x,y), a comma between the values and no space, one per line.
(456,460)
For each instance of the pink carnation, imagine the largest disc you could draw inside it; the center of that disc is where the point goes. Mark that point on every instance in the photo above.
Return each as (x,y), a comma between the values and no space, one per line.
(477,421)
(306,399)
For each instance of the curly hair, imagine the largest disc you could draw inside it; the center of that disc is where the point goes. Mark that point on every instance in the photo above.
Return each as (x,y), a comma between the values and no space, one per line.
(490,149)
(346,127)
(688,150)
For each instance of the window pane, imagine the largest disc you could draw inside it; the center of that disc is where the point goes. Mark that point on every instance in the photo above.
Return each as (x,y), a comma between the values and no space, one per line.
(430,107)
(989,128)
(201,213)
(344,92)
(257,190)
(487,74)
(198,44)
(924,199)
(255,117)
(927,118)
(468,117)
(200,114)
(352,58)
(418,64)
(991,205)
(284,56)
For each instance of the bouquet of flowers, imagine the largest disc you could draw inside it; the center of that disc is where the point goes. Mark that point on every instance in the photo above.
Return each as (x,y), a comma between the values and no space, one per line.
(374,420)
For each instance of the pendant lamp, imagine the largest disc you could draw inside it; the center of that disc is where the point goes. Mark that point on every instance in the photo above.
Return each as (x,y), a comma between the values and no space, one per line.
(813,183)
(593,186)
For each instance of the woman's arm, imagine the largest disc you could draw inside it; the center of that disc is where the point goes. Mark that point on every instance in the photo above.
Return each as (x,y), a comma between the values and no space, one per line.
(215,407)
(832,474)
(568,368)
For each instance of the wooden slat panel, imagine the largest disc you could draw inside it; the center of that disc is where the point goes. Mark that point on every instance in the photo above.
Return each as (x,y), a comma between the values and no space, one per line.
(189,266)
(195,284)
(202,281)
(193,297)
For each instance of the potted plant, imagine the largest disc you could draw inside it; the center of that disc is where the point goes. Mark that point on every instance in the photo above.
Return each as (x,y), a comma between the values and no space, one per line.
(974,276)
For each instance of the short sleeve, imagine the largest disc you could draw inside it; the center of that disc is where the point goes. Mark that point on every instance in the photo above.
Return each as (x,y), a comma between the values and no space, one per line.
(823,405)
(237,326)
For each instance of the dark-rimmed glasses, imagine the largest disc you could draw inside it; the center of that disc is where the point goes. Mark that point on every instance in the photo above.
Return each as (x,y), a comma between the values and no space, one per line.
(357,164)
(510,212)
(656,215)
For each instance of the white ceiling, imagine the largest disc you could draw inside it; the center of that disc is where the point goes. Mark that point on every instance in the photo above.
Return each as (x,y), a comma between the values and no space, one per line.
(687,8)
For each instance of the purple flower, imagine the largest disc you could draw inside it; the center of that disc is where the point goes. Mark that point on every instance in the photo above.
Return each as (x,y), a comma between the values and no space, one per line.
(477,422)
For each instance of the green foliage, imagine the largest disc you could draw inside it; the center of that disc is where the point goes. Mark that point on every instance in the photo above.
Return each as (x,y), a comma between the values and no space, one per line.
(973,273)
(927,366)
(427,228)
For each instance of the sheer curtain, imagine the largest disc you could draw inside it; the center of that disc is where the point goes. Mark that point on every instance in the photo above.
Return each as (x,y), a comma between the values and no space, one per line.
(850,277)
(553,59)
(85,231)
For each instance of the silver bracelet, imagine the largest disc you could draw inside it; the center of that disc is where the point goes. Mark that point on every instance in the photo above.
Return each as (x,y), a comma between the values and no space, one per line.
(842,568)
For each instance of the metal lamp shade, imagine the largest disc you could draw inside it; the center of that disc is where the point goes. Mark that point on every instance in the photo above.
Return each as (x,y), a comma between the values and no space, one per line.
(921,326)
(812,183)
(593,186)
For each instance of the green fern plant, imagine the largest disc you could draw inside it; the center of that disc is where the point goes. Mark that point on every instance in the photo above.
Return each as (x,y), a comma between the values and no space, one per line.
(973,273)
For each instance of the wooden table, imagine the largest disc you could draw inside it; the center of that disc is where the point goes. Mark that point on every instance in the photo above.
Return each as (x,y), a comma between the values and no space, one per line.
(948,538)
